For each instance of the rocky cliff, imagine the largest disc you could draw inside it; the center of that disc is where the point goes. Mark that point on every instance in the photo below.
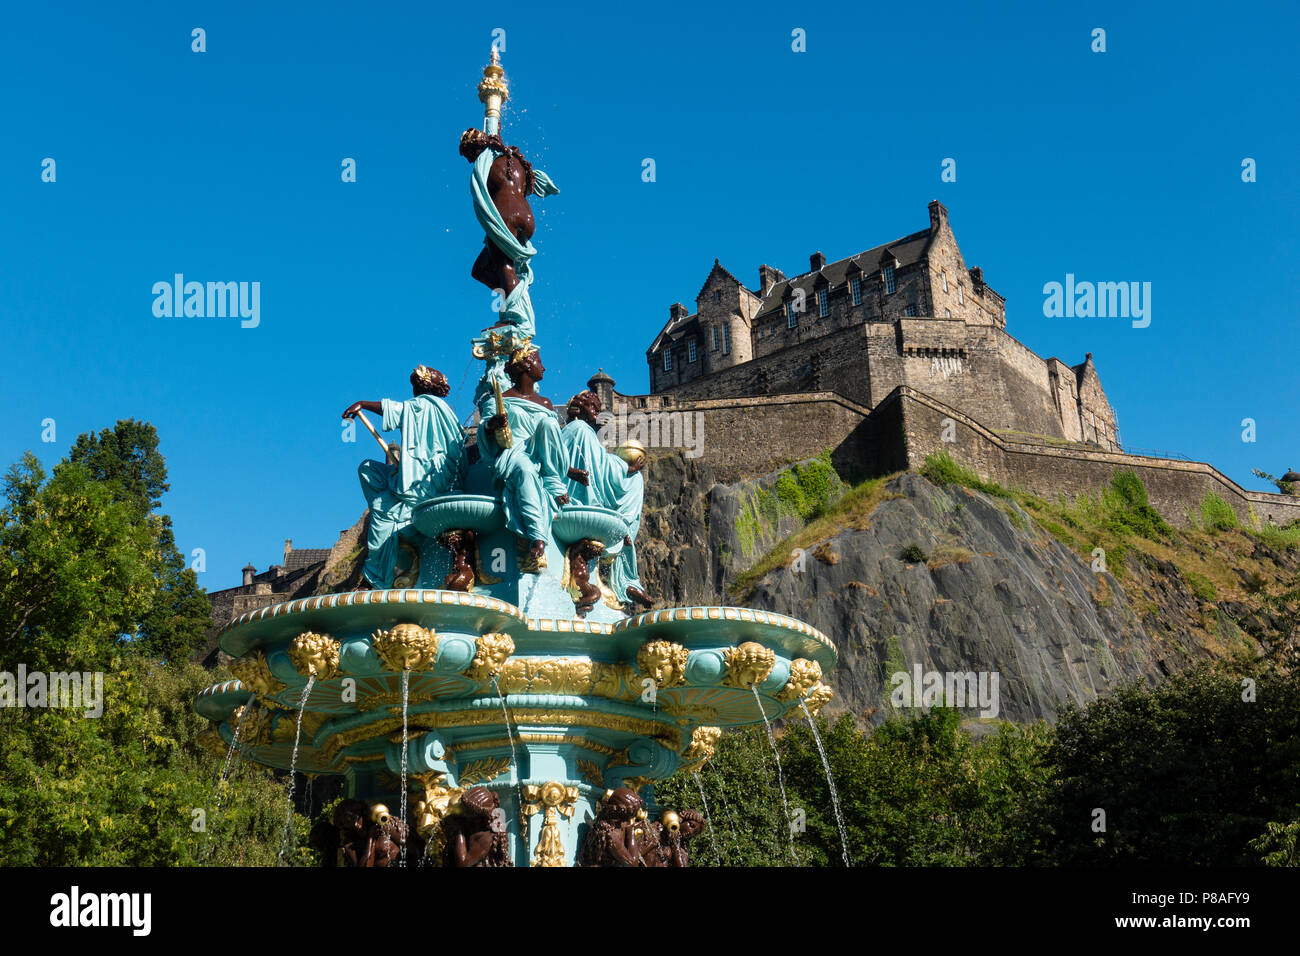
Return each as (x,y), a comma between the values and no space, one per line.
(903,572)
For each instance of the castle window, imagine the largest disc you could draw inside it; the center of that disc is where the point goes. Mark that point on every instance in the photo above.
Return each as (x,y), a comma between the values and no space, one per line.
(961,300)
(791,320)
(910,310)
(726,340)
(891,286)
(945,280)
(690,351)
(715,338)
(855,287)
(668,360)
(947,313)
(823,307)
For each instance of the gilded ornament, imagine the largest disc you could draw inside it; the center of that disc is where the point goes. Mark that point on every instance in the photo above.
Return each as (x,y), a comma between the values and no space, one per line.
(406,647)
(252,723)
(315,655)
(615,681)
(703,745)
(392,699)
(514,677)
(804,675)
(817,698)
(431,808)
(591,772)
(286,728)
(255,674)
(484,770)
(750,663)
(556,800)
(664,662)
(491,652)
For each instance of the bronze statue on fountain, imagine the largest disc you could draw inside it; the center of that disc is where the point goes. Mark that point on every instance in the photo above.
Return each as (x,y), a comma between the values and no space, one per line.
(476,831)
(369,836)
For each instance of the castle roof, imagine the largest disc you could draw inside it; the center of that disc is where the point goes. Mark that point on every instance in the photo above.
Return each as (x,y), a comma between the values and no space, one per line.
(676,329)
(304,558)
(718,270)
(907,250)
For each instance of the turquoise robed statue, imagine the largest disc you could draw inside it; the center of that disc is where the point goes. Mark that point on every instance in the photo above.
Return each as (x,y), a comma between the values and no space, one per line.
(429,461)
(607,480)
(528,459)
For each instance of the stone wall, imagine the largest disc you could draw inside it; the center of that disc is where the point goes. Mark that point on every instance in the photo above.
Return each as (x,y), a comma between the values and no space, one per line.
(978,368)
(1174,487)
(747,437)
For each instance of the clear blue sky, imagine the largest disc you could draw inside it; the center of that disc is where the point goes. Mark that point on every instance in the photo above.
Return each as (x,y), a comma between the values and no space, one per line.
(225,166)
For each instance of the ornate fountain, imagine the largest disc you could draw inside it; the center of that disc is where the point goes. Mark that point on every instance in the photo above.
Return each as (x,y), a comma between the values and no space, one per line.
(488,697)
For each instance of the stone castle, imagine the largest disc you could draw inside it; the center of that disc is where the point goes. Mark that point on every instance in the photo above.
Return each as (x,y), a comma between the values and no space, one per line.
(908,312)
(886,357)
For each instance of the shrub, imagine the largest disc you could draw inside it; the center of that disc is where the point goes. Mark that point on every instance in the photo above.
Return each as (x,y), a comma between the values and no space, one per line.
(1217,514)
(1285,538)
(913,554)
(1202,587)
(942,470)
(1124,508)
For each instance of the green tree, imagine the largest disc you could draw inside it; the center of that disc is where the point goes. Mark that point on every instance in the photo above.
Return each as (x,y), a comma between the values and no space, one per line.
(123,789)
(1189,772)
(77,570)
(126,457)
(90,581)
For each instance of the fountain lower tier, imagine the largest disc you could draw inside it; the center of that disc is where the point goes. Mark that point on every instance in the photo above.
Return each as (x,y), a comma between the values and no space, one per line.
(588,705)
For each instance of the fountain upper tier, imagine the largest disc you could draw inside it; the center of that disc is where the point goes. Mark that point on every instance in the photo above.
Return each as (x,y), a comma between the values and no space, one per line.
(656,677)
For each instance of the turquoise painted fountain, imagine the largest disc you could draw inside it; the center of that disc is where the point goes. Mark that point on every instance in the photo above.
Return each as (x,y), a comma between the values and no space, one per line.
(490,688)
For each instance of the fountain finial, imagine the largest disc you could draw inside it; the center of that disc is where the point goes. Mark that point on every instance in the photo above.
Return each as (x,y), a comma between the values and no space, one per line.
(493,92)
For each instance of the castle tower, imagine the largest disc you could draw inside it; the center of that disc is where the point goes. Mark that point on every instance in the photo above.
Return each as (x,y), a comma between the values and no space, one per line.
(724,309)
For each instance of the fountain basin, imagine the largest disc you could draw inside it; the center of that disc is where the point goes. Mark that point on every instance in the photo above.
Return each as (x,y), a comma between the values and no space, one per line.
(469,512)
(576,522)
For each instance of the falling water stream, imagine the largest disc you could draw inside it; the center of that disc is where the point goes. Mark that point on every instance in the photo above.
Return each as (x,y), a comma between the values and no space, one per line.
(406,697)
(726,808)
(214,798)
(708,821)
(780,774)
(293,767)
(514,757)
(830,782)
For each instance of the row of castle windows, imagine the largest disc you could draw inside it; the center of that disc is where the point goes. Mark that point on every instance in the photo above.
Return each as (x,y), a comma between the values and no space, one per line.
(855,291)
(723,339)
(823,310)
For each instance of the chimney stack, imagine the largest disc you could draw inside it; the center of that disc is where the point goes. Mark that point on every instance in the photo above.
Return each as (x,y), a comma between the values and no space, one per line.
(938,215)
(288,547)
(767,278)
(677,311)
(817,261)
